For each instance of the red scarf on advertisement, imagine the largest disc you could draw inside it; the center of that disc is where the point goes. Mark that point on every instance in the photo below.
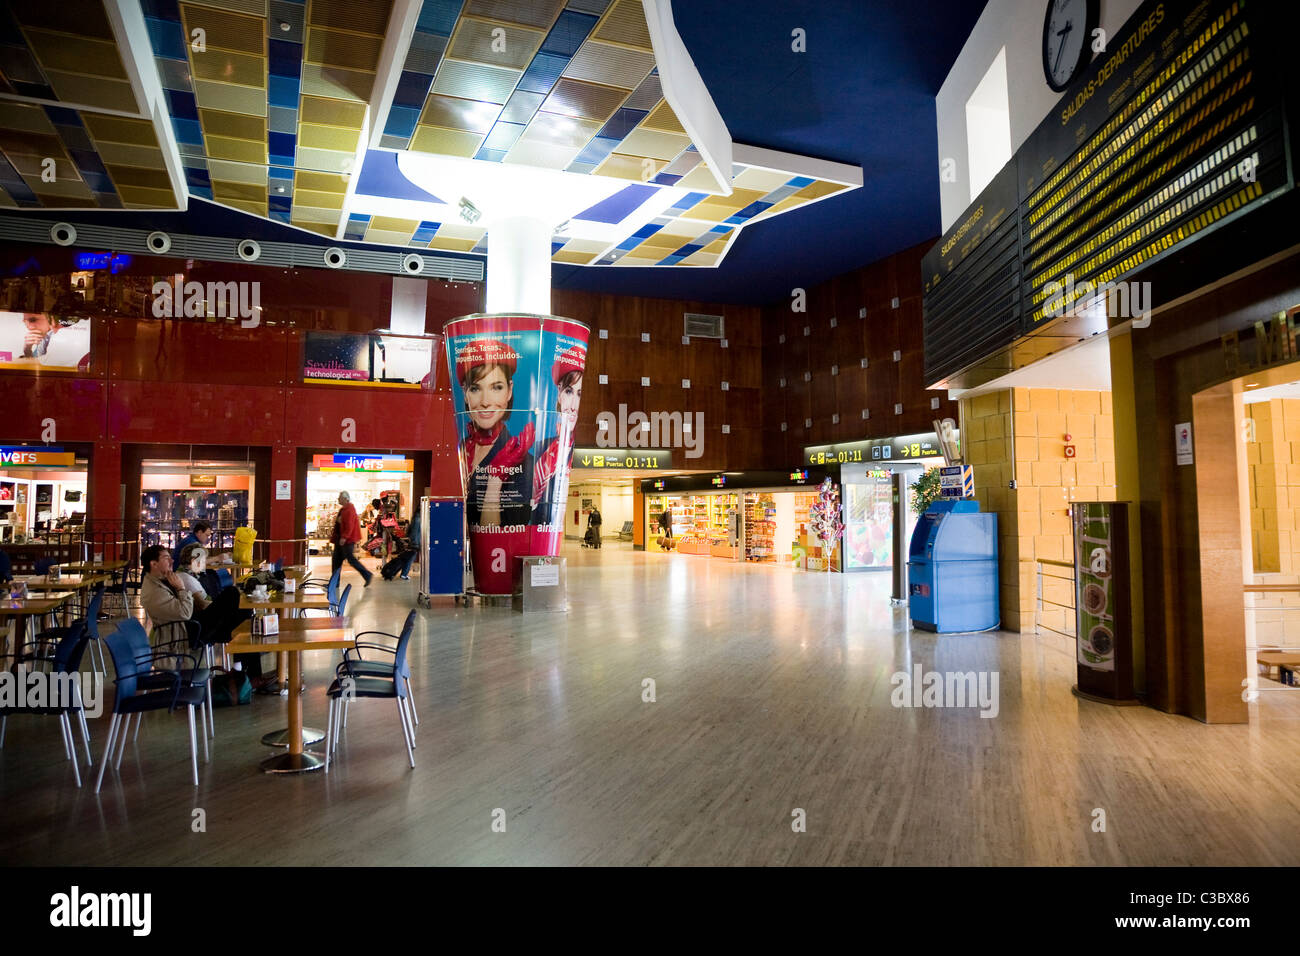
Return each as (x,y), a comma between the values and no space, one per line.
(549,463)
(510,454)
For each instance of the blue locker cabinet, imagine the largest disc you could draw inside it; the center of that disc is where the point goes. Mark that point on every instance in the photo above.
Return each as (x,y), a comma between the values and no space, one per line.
(442,542)
(953,569)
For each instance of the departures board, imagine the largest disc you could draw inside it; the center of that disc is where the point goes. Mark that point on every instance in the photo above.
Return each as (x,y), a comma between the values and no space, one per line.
(1177,127)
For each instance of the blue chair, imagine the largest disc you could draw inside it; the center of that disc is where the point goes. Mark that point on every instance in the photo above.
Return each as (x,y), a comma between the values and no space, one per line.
(382,662)
(225,577)
(92,628)
(331,589)
(175,641)
(279,564)
(343,602)
(140,688)
(350,684)
(63,666)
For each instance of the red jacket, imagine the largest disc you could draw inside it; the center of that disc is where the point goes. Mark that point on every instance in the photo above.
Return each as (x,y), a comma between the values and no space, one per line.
(348,528)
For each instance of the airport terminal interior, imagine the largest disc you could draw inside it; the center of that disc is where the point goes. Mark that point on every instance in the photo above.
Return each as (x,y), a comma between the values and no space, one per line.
(649,432)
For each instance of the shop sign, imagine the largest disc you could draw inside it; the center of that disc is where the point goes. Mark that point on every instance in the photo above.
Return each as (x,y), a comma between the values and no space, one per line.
(799,477)
(25,457)
(659,485)
(645,458)
(362,463)
(115,262)
(719,482)
(203,481)
(899,448)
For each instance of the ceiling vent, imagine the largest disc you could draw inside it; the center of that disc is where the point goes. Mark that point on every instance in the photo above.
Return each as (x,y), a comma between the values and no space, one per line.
(699,326)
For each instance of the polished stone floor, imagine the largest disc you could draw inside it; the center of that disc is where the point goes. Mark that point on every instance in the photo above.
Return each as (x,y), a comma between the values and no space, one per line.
(772,706)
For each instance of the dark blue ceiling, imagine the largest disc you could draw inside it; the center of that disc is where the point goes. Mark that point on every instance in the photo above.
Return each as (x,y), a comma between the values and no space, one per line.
(862,93)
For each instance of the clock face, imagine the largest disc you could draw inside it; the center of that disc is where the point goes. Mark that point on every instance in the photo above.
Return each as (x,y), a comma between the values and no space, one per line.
(1067,39)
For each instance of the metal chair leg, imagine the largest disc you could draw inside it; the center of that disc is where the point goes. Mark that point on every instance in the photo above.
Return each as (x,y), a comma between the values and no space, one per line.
(347,705)
(138,719)
(203,715)
(194,750)
(4,723)
(66,721)
(406,733)
(121,746)
(108,751)
(329,735)
(406,707)
(411,700)
(69,750)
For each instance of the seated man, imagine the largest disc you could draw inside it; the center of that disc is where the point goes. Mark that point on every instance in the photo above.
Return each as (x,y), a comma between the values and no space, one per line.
(166,598)
(200,534)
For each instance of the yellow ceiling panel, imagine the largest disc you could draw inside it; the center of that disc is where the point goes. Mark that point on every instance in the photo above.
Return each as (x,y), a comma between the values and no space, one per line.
(478,41)
(451,112)
(700,258)
(326,160)
(630,167)
(452,245)
(475,81)
(610,65)
(72,188)
(559,130)
(120,129)
(322,182)
(394,224)
(325,229)
(236,150)
(337,82)
(221,66)
(22,117)
(666,240)
(74,54)
(453,230)
(624,22)
(35,144)
(447,142)
(78,17)
(237,172)
(368,17)
(223,30)
(388,238)
(314,214)
(764,180)
(699,178)
(685,231)
(137,176)
(230,99)
(93,91)
(148,156)
(663,119)
(233,125)
(718,208)
(536,13)
(238,192)
(585,245)
(147,198)
(30,167)
(319,200)
(584,100)
(820,188)
(352,51)
(327,112)
(646,142)
(61,201)
(327,137)
(255,8)
(576,258)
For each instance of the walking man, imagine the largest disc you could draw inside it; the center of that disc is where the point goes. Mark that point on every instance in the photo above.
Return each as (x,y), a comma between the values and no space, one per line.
(347,532)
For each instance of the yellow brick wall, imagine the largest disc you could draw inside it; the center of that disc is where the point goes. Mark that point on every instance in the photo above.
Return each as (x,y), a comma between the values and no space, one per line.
(1019,434)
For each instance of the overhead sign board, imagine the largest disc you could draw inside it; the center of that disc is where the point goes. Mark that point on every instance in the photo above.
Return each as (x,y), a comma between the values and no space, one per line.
(24,456)
(362,463)
(898,448)
(643,459)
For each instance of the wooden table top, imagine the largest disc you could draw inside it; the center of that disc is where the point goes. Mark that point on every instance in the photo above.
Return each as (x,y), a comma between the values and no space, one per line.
(297,599)
(1278,657)
(66,582)
(324,639)
(298,572)
(94,567)
(40,605)
(296,625)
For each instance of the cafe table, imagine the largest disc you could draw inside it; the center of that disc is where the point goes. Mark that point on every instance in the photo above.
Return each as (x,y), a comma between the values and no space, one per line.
(40,584)
(20,610)
(280,601)
(92,567)
(295,572)
(296,635)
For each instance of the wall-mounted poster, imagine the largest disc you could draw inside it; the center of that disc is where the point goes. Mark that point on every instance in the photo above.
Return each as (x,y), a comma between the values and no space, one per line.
(351,358)
(516,383)
(1095,600)
(43,342)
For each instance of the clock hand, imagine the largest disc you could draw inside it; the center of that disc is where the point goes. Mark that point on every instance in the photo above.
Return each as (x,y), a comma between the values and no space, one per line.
(1060,49)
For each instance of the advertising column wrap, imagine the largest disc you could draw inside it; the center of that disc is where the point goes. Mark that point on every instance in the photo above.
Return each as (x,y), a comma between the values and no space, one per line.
(516,383)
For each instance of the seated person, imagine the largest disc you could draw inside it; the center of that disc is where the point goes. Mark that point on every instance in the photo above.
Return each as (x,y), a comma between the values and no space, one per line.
(167,598)
(200,534)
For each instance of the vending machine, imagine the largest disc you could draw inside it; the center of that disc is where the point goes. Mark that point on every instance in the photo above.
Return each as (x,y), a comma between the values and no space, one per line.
(442,548)
(953,569)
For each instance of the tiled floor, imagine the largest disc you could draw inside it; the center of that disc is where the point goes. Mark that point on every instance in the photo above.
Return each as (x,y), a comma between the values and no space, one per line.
(772,696)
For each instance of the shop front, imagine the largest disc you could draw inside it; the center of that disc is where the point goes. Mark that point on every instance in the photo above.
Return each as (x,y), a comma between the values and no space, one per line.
(386,477)
(609,480)
(175,495)
(42,493)
(759,517)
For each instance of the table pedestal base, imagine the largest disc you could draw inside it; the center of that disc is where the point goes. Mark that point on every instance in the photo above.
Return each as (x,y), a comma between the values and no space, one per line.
(280,738)
(304,762)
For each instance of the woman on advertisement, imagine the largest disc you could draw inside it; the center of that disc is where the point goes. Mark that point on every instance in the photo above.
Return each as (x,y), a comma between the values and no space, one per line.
(498,467)
(551,477)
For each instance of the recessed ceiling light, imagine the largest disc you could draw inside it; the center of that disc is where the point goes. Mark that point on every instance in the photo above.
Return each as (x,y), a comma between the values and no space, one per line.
(284,25)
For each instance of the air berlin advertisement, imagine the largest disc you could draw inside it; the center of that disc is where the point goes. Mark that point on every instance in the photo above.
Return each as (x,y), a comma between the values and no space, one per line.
(516,384)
